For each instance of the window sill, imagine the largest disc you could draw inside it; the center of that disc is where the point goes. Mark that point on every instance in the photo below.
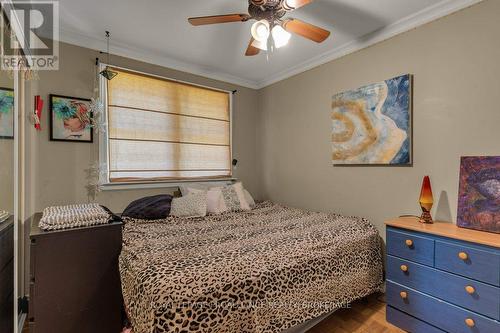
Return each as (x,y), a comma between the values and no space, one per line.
(165,184)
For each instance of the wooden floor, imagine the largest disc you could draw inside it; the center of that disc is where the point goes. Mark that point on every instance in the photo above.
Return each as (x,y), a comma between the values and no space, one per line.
(364,316)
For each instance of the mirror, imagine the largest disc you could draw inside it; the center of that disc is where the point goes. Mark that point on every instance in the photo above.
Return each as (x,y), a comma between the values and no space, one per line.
(6,196)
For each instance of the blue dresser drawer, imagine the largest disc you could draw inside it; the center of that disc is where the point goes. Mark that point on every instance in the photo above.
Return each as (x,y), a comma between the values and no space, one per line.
(410,246)
(481,265)
(470,294)
(409,323)
(448,317)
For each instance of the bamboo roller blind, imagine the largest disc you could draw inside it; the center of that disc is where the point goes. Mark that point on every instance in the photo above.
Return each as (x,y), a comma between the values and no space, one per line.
(161,129)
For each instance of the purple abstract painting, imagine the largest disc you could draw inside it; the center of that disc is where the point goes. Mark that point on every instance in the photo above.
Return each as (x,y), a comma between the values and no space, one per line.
(479,193)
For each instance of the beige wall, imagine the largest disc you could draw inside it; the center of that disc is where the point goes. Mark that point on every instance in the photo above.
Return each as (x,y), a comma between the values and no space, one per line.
(456,66)
(57,169)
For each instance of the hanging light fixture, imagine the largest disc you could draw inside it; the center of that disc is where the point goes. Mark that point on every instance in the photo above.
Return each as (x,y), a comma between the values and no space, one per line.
(271,28)
(260,31)
(260,45)
(266,37)
(292,4)
(108,73)
(280,36)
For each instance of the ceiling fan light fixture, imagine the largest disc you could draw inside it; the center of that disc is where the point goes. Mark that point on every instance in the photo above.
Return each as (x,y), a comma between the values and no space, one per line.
(272,29)
(259,3)
(281,37)
(260,30)
(260,45)
(289,4)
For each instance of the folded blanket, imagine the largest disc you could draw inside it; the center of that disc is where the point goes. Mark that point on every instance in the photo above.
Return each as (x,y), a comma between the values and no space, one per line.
(3,216)
(73,216)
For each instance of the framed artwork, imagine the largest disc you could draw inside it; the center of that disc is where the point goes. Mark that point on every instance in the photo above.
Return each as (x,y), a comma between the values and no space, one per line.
(372,125)
(6,113)
(70,119)
(479,193)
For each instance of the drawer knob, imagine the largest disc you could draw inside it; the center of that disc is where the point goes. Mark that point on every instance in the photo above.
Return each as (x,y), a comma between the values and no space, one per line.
(409,243)
(463,256)
(470,290)
(470,322)
(404,268)
(403,295)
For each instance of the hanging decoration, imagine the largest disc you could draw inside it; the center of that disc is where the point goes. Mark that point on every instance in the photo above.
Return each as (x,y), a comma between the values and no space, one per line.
(37,113)
(96,105)
(94,173)
(98,118)
(108,73)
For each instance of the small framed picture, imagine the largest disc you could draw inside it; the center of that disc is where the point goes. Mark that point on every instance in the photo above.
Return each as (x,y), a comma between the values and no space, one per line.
(70,119)
(6,113)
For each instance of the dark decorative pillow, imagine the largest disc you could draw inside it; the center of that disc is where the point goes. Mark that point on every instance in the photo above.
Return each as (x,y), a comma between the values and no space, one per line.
(149,208)
(112,217)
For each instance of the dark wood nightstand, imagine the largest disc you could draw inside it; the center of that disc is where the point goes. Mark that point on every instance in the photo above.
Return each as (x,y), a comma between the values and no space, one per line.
(7,276)
(74,279)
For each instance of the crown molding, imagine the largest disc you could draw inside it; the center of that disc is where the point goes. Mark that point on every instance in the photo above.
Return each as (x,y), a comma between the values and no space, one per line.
(413,21)
(422,17)
(80,39)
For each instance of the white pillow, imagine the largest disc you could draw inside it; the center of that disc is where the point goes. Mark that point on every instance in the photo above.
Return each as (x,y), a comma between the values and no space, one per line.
(205,186)
(249,198)
(191,205)
(215,204)
(234,197)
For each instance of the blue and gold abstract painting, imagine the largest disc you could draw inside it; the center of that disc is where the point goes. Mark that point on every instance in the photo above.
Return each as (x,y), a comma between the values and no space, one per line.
(372,124)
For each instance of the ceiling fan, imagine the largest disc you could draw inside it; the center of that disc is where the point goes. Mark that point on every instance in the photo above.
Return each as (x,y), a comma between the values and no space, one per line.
(272,29)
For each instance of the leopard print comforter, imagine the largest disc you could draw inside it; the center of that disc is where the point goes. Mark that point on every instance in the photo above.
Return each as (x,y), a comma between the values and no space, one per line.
(259,271)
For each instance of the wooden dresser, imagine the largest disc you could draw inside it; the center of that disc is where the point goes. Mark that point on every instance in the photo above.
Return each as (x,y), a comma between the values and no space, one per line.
(75,282)
(7,276)
(441,278)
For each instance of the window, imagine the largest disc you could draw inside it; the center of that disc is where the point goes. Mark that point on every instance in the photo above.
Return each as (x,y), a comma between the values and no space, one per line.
(160,130)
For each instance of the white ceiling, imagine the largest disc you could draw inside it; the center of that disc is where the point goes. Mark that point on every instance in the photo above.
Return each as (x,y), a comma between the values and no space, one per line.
(157,31)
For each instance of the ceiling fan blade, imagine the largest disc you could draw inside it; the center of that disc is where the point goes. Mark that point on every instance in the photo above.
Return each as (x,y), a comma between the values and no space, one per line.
(306,30)
(295,4)
(252,50)
(218,19)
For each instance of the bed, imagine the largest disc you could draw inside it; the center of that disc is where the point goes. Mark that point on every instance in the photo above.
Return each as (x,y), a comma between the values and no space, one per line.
(264,270)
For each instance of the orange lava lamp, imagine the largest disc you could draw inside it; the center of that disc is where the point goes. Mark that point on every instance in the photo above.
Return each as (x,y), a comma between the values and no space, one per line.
(426,201)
